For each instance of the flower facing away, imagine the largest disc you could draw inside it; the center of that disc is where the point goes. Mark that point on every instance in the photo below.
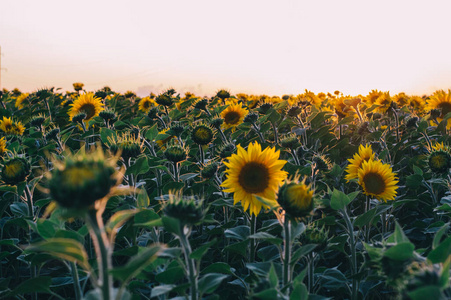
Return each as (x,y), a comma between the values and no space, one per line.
(233,116)
(296,198)
(128,145)
(202,134)
(365,153)
(254,172)
(187,210)
(15,170)
(87,104)
(175,153)
(78,86)
(82,179)
(378,180)
(146,104)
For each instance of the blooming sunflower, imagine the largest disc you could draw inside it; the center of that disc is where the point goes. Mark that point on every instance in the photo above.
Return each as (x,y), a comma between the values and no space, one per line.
(233,116)
(384,101)
(442,101)
(8,126)
(365,153)
(378,180)
(146,104)
(254,172)
(3,148)
(20,100)
(88,104)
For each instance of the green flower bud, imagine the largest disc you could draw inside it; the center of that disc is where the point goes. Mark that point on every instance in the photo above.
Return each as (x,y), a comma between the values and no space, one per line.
(296,199)
(209,171)
(439,161)
(202,134)
(15,170)
(186,209)
(175,153)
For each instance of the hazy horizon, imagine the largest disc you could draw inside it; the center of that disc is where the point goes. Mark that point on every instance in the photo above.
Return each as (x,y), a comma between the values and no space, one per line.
(253,47)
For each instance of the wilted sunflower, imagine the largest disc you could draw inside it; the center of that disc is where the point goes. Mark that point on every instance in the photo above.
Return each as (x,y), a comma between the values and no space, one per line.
(365,153)
(20,99)
(254,172)
(146,104)
(378,180)
(441,101)
(233,116)
(87,103)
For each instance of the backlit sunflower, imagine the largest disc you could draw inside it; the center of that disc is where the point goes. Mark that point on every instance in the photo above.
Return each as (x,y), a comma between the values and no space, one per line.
(365,153)
(378,180)
(384,101)
(254,172)
(20,100)
(146,104)
(442,101)
(87,103)
(233,116)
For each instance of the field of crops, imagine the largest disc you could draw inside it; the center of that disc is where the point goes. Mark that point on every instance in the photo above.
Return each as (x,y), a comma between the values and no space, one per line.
(311,196)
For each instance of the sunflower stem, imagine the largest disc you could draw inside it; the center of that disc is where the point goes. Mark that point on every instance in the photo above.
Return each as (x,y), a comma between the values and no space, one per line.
(202,154)
(287,254)
(295,157)
(76,279)
(192,272)
(224,138)
(176,172)
(103,251)
(310,272)
(29,197)
(257,130)
(350,227)
(276,134)
(252,241)
(396,124)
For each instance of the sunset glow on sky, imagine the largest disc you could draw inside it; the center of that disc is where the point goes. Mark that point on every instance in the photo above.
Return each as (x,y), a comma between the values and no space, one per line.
(250,46)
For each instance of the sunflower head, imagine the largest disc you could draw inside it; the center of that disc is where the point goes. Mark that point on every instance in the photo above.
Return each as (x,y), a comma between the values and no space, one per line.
(217,122)
(364,153)
(290,142)
(233,116)
(3,149)
(294,111)
(153,113)
(440,101)
(165,98)
(177,128)
(188,210)
(322,162)
(176,153)
(78,86)
(82,179)
(265,107)
(223,94)
(79,118)
(108,115)
(88,104)
(226,150)
(101,94)
(254,172)
(251,117)
(37,121)
(15,170)
(209,170)
(439,161)
(202,134)
(20,100)
(378,180)
(52,134)
(127,145)
(316,235)
(9,126)
(146,104)
(296,198)
(201,104)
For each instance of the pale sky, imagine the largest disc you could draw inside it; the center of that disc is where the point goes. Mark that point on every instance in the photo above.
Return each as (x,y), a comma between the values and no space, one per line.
(253,46)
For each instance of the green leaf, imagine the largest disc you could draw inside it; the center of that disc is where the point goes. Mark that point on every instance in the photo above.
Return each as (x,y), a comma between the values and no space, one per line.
(240,233)
(152,133)
(439,235)
(366,218)
(137,263)
(107,135)
(441,253)
(46,228)
(239,248)
(19,209)
(414,181)
(339,200)
(161,290)
(426,292)
(272,277)
(141,166)
(269,294)
(218,267)
(62,248)
(172,225)
(171,275)
(301,252)
(417,170)
(143,199)
(398,235)
(39,284)
(401,251)
(118,219)
(266,237)
(199,252)
(210,282)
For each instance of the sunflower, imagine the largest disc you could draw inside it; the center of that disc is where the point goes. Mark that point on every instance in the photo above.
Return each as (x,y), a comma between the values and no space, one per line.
(254,172)
(440,100)
(163,138)
(3,148)
(88,104)
(417,103)
(378,180)
(233,116)
(384,101)
(20,100)
(146,104)
(365,153)
(296,198)
(8,126)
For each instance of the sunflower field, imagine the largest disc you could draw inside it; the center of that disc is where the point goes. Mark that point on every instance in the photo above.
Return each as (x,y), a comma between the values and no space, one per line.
(106,195)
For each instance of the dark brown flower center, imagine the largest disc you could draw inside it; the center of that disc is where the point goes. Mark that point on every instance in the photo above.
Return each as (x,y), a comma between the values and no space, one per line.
(232,117)
(374,183)
(89,110)
(254,177)
(445,107)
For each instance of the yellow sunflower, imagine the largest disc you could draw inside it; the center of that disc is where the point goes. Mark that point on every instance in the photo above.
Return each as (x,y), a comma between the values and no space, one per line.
(371,98)
(378,180)
(20,100)
(233,116)
(417,103)
(8,126)
(384,101)
(254,172)
(442,101)
(365,153)
(3,148)
(87,103)
(146,104)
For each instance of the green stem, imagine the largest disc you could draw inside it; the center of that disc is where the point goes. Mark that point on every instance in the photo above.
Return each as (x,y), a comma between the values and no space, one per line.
(176,172)
(103,251)
(287,254)
(276,134)
(76,279)
(202,154)
(192,272)
(260,135)
(29,197)
(352,245)
(310,272)
(295,157)
(224,138)
(252,241)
